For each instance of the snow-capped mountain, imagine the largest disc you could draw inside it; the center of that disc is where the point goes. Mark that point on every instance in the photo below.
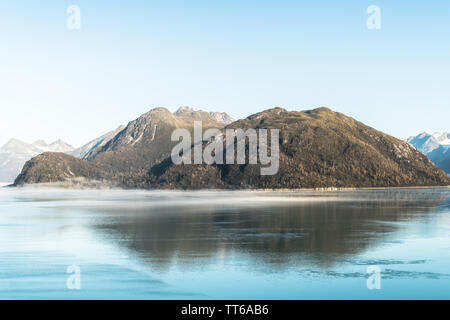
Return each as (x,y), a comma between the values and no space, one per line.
(222,117)
(441,157)
(92,147)
(436,146)
(428,142)
(15,153)
(443,138)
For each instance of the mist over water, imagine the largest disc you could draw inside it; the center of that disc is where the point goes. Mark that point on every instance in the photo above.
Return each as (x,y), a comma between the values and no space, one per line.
(224,244)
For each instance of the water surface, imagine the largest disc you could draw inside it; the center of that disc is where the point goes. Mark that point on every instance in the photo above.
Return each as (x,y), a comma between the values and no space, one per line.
(224,245)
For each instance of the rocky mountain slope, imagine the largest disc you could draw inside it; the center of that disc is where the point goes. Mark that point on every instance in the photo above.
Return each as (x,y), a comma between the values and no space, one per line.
(318,148)
(435,146)
(222,117)
(127,157)
(92,147)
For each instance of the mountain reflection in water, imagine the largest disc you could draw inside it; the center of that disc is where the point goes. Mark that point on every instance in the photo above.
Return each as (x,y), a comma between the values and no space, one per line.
(317,228)
(224,244)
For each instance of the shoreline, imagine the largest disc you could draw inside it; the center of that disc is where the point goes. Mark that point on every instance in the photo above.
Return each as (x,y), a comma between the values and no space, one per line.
(104,187)
(354,188)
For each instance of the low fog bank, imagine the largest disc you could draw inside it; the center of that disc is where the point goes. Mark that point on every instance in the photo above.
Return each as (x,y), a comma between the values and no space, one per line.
(81,192)
(78,183)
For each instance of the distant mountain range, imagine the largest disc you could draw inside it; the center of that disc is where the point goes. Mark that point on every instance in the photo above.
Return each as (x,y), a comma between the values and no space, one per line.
(436,146)
(318,148)
(15,153)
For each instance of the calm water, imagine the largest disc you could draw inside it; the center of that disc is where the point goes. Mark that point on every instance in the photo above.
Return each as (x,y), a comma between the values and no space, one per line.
(224,245)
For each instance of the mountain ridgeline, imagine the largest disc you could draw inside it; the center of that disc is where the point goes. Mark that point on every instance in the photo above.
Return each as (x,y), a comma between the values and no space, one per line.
(15,153)
(436,146)
(317,149)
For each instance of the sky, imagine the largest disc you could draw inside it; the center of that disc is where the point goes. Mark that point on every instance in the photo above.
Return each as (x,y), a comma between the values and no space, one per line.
(237,56)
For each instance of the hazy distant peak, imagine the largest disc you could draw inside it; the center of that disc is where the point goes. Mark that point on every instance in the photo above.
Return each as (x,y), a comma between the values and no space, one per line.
(56,146)
(15,153)
(14,142)
(39,143)
(60,146)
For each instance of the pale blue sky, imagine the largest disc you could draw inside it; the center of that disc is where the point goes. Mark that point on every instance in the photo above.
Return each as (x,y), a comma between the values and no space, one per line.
(236,56)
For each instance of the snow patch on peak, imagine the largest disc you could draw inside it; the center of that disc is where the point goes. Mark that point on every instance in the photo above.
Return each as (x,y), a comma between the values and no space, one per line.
(222,117)
(428,142)
(442,137)
(184,109)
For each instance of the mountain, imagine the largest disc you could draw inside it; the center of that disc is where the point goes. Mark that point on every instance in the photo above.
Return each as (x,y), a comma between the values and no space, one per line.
(435,146)
(428,142)
(92,147)
(127,157)
(318,148)
(441,157)
(222,117)
(15,153)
